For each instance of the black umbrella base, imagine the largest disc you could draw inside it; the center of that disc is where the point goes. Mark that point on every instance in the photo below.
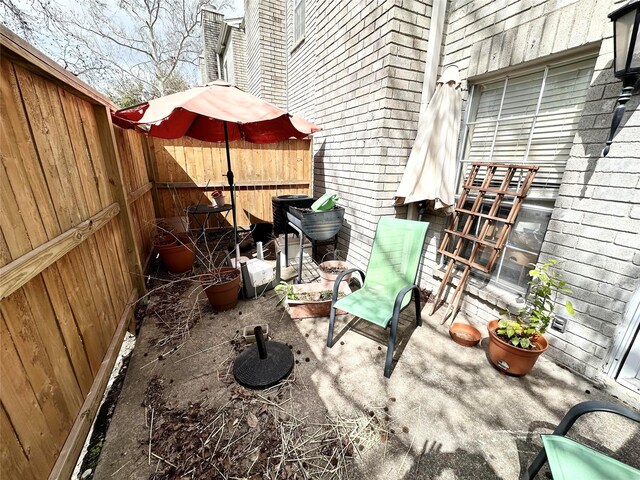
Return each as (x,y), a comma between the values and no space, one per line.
(251,371)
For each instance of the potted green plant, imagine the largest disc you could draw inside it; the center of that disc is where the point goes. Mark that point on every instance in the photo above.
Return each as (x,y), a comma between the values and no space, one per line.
(309,299)
(516,341)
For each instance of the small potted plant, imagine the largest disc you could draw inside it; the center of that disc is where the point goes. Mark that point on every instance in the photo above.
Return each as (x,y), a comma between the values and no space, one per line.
(218,198)
(307,300)
(516,341)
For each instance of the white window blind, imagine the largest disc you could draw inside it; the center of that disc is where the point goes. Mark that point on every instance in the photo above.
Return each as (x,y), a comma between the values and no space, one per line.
(528,118)
(298,21)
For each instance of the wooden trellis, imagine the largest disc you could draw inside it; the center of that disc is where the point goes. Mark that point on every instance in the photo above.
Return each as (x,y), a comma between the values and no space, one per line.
(491,237)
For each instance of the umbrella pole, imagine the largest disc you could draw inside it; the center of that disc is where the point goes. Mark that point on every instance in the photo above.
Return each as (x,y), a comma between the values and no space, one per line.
(231,185)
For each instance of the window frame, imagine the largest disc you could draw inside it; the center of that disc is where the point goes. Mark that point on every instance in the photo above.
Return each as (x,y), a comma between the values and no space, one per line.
(494,277)
(299,28)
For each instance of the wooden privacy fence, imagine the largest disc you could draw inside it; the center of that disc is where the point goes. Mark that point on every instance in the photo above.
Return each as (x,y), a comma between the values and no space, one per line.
(71,255)
(185,168)
(79,198)
(139,187)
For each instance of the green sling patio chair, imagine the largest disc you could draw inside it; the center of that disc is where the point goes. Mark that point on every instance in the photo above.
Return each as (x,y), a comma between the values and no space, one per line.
(570,460)
(389,281)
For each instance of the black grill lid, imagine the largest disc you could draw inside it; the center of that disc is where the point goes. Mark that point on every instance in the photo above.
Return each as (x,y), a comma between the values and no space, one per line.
(263,364)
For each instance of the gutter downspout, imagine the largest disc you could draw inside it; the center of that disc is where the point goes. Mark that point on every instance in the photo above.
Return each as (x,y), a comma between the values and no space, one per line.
(222,45)
(432,62)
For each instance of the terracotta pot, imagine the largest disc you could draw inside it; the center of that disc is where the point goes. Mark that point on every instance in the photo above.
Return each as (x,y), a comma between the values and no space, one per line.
(162,242)
(464,334)
(184,239)
(513,360)
(313,309)
(331,277)
(178,258)
(222,295)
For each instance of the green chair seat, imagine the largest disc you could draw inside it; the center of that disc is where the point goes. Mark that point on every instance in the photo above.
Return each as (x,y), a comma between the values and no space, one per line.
(570,460)
(369,303)
(390,279)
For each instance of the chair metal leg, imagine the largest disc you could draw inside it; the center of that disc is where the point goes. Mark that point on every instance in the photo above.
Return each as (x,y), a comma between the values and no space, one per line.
(332,320)
(416,293)
(391,345)
(394,323)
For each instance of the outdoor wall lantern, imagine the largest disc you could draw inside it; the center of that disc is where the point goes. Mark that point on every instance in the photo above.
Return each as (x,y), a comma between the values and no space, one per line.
(626,59)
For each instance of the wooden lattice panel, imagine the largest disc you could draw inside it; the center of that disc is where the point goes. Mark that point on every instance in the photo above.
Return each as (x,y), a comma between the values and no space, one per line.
(487,184)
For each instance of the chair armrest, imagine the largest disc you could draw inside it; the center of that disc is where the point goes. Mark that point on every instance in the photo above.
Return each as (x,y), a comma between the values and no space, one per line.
(593,406)
(570,418)
(400,296)
(336,285)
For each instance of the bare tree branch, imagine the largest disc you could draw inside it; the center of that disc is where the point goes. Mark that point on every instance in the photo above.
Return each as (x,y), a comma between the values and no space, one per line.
(130,49)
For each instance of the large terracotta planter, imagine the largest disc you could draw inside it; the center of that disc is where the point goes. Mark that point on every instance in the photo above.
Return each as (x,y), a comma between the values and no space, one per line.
(326,267)
(162,242)
(222,295)
(513,360)
(299,309)
(178,258)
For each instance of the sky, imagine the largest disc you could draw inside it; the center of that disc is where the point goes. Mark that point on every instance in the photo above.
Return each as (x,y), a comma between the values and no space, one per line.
(237,9)
(45,42)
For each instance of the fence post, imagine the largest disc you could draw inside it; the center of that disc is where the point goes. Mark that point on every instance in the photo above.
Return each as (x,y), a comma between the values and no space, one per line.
(312,172)
(116,180)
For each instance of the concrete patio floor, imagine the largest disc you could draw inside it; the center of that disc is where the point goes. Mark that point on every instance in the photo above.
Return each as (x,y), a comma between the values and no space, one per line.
(464,418)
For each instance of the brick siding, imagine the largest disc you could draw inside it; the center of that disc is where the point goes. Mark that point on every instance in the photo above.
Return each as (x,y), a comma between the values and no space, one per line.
(266,58)
(211,22)
(239,42)
(358,73)
(594,230)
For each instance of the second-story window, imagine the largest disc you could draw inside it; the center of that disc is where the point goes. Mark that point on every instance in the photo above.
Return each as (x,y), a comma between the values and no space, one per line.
(298,21)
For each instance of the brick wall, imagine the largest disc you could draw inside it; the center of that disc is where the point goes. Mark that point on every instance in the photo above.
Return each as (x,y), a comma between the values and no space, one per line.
(239,42)
(254,53)
(266,57)
(595,227)
(358,73)
(211,22)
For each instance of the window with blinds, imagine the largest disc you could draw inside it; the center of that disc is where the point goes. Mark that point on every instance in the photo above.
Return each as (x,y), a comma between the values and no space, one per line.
(527,118)
(298,21)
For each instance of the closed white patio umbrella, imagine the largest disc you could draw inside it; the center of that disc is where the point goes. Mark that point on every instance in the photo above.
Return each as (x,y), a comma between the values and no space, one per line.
(430,173)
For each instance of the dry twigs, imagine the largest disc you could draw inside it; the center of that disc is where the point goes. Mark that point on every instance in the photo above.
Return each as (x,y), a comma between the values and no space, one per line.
(256,435)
